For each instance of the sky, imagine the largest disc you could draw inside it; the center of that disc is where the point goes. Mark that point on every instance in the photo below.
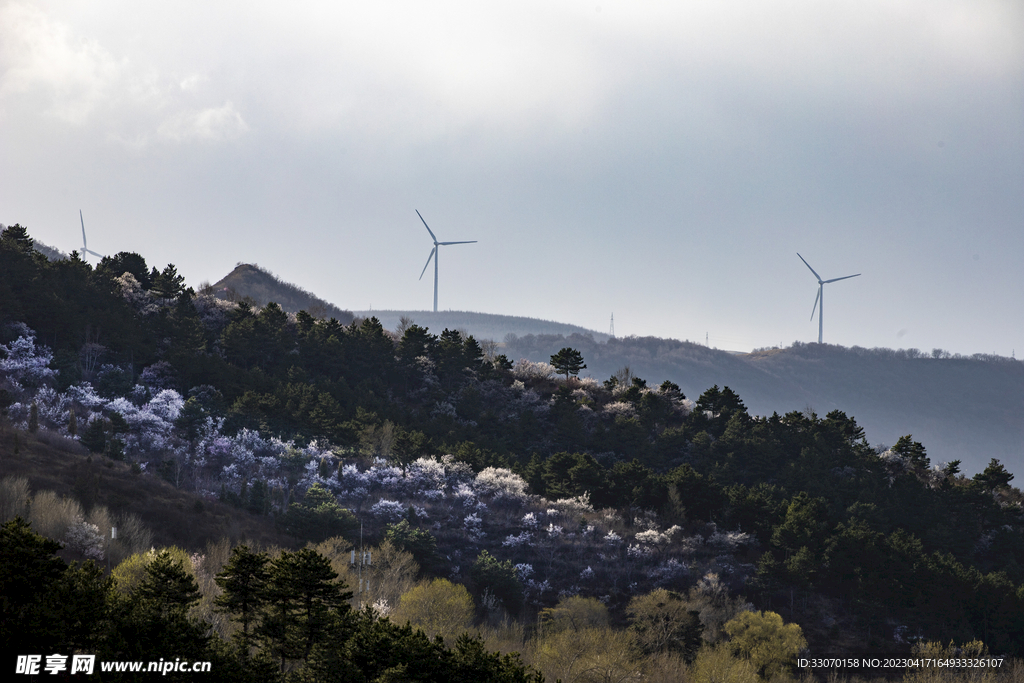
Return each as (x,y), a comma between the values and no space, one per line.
(660,161)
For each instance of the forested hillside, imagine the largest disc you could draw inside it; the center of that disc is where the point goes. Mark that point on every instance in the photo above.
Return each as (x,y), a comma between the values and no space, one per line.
(964,408)
(590,508)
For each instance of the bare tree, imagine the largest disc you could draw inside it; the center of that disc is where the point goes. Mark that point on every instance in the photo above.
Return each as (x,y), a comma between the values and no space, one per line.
(14,497)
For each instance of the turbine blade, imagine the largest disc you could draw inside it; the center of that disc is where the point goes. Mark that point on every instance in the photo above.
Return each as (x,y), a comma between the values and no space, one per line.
(446,243)
(90,251)
(83,231)
(426,226)
(809,266)
(814,308)
(428,261)
(839,278)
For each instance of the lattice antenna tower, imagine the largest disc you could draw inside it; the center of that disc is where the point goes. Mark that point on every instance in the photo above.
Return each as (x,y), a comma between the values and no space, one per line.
(611,327)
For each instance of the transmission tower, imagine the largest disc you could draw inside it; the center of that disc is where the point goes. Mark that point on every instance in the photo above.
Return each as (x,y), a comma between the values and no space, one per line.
(611,328)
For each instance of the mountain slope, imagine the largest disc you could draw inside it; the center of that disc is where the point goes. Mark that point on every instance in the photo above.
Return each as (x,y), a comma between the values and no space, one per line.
(968,409)
(248,281)
(480,325)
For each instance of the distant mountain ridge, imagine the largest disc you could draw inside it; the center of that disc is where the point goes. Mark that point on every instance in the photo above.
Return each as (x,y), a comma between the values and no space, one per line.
(968,409)
(46,250)
(483,326)
(258,285)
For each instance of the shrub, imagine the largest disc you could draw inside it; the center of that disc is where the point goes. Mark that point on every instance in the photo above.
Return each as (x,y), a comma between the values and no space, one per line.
(763,639)
(662,620)
(439,608)
(574,613)
(14,497)
(52,515)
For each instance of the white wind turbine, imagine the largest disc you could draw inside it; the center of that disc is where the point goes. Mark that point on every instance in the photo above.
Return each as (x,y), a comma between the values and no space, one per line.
(819,301)
(85,249)
(434,254)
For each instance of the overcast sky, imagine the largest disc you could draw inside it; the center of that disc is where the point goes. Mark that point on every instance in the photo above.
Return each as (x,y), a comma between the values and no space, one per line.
(664,161)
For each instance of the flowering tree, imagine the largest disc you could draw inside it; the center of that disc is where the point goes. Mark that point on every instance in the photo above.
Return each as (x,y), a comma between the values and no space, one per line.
(22,364)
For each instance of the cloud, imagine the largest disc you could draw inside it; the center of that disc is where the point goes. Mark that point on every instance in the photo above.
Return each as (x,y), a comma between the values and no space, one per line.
(47,68)
(214,124)
(42,59)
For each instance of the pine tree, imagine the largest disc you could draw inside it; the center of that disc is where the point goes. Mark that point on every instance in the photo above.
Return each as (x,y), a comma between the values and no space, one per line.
(568,362)
(95,436)
(243,580)
(306,604)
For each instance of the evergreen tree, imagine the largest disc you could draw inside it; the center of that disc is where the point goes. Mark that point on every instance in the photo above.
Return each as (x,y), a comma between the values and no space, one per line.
(111,267)
(167,586)
(913,451)
(500,578)
(319,516)
(95,436)
(244,581)
(155,618)
(30,573)
(306,605)
(167,284)
(416,341)
(568,362)
(994,477)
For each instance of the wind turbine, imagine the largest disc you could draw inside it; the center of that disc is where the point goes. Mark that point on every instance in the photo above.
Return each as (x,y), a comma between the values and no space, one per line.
(819,300)
(434,254)
(85,249)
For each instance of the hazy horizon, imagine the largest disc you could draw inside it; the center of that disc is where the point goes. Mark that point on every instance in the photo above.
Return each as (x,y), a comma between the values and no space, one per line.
(661,162)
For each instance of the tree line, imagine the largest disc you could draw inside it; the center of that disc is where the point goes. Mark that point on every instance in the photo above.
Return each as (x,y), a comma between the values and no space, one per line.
(944,552)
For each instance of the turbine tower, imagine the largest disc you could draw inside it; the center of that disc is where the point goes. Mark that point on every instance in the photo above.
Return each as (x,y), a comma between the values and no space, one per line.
(819,301)
(434,254)
(85,249)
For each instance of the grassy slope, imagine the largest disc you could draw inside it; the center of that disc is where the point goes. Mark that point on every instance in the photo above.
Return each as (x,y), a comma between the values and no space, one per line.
(175,517)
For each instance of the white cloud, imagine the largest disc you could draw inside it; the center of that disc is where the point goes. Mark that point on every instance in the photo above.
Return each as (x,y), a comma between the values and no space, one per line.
(192,82)
(42,58)
(47,68)
(214,124)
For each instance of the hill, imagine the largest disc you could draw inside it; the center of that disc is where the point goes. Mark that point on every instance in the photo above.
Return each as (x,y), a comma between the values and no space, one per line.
(51,462)
(481,325)
(259,286)
(531,486)
(51,253)
(962,408)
